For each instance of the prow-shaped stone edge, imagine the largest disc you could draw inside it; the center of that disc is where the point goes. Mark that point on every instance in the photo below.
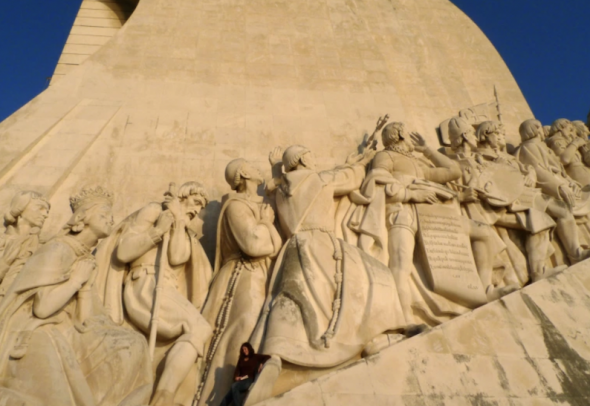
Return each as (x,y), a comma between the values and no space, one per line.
(530,347)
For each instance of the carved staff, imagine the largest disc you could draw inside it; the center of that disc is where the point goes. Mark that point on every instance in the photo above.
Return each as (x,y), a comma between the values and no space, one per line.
(158,296)
(371,143)
(159,281)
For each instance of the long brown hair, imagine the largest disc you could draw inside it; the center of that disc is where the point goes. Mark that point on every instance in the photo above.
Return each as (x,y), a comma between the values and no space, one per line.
(250,351)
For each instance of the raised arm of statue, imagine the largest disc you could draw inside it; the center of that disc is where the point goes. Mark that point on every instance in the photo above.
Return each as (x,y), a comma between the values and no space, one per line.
(348,178)
(568,154)
(143,235)
(275,158)
(256,238)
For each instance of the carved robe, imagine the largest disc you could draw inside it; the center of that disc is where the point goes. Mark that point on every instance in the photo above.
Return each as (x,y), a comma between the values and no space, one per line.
(550,176)
(328,298)
(59,360)
(245,246)
(573,161)
(15,251)
(382,205)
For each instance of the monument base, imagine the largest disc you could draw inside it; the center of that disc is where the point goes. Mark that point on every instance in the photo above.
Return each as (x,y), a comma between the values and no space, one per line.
(529,348)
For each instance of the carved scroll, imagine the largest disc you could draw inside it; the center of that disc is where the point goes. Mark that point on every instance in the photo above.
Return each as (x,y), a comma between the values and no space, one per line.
(447,253)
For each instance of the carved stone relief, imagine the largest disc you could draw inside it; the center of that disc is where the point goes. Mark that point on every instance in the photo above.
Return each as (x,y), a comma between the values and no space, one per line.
(327,267)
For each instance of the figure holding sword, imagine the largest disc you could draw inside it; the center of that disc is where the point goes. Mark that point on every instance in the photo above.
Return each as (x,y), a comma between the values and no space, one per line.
(167,281)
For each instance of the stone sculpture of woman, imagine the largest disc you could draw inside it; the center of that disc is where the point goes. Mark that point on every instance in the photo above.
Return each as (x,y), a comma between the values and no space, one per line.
(23,222)
(58,347)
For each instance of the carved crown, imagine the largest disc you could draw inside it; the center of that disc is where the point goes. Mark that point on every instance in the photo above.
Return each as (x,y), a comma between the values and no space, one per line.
(88,195)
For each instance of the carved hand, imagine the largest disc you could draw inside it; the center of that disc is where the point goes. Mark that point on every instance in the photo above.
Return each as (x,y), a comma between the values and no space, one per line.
(367,156)
(267,213)
(419,142)
(164,222)
(529,180)
(171,202)
(468,195)
(579,142)
(275,156)
(568,195)
(83,270)
(424,196)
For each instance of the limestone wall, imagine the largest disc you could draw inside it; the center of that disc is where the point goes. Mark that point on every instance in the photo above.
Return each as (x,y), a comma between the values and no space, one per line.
(530,348)
(187,85)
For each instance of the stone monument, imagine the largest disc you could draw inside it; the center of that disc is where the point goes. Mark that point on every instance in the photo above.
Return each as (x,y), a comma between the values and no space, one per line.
(373,270)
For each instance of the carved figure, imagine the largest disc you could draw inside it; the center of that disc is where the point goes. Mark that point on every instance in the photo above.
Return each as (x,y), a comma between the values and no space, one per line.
(528,209)
(23,222)
(583,132)
(57,347)
(570,149)
(553,180)
(158,246)
(546,131)
(247,240)
(328,299)
(419,183)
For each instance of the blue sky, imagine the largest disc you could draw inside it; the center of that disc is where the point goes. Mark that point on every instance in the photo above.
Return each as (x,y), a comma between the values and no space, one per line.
(545,43)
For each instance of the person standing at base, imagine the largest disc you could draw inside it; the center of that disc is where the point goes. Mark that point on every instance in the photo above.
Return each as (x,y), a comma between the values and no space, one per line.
(249,364)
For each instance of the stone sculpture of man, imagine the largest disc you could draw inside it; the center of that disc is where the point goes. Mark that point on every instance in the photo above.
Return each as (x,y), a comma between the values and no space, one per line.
(513,201)
(57,346)
(247,240)
(23,222)
(328,299)
(419,181)
(583,133)
(553,180)
(157,245)
(570,149)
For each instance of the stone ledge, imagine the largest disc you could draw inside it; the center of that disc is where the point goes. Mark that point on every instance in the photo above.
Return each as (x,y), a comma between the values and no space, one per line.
(530,348)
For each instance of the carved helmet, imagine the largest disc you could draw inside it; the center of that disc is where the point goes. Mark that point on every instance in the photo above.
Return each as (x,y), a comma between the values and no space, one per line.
(559,126)
(458,128)
(528,129)
(292,156)
(486,128)
(233,172)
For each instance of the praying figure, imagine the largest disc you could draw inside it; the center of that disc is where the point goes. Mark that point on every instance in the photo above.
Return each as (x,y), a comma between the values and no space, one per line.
(24,221)
(328,301)
(57,346)
(155,276)
(247,241)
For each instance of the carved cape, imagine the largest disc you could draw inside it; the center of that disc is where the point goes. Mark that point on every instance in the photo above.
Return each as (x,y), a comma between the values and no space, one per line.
(303,322)
(112,272)
(238,290)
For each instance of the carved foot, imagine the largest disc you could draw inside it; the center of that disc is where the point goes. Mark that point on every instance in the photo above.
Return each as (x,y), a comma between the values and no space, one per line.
(163,398)
(581,255)
(494,293)
(261,389)
(381,342)
(547,272)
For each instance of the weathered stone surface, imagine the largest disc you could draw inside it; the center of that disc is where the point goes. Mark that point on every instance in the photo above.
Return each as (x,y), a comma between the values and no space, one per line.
(186,86)
(543,359)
